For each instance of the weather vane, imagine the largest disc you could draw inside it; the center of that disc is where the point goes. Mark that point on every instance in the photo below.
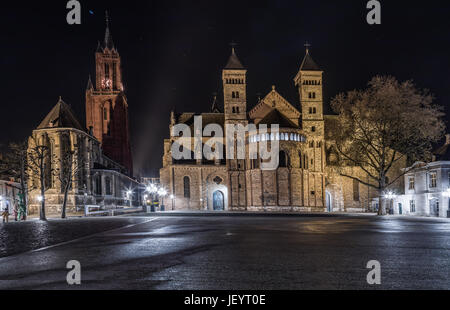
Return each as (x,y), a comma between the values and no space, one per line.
(307,46)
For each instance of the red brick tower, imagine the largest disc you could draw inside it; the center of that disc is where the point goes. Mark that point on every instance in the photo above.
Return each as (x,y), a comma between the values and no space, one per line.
(106,104)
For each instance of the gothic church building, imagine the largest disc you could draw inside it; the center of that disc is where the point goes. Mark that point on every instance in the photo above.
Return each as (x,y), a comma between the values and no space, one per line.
(101,160)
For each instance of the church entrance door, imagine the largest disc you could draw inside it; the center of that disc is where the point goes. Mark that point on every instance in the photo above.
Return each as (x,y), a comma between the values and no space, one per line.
(218,201)
(328,202)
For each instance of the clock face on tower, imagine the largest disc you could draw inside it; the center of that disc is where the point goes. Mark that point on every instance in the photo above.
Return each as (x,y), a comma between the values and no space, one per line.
(106,83)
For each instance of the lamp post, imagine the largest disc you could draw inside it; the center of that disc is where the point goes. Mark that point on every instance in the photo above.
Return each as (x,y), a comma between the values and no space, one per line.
(162,193)
(152,190)
(447,194)
(129,195)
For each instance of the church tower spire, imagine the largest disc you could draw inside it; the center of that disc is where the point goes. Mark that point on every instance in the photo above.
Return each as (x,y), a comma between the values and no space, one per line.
(106,103)
(234,78)
(108,42)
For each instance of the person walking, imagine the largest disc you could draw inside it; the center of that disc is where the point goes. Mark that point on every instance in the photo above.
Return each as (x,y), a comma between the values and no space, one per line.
(5,214)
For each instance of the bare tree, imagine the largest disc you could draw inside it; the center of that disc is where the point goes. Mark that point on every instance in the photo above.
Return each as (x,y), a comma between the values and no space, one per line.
(39,165)
(387,124)
(69,166)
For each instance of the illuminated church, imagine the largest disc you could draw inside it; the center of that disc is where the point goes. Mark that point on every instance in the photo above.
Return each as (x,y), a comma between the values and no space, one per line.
(102,161)
(306,179)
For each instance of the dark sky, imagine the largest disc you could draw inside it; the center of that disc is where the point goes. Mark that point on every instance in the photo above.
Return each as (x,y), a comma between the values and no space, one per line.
(173,52)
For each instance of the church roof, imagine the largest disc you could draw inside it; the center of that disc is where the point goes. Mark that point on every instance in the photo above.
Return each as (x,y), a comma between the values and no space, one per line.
(275,117)
(233,62)
(61,116)
(207,118)
(309,64)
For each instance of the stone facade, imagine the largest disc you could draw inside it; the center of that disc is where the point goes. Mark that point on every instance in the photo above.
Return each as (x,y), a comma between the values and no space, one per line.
(306,179)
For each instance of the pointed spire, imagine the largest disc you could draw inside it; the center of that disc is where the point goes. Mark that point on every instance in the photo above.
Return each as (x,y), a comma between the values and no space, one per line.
(89,84)
(308,63)
(108,42)
(233,62)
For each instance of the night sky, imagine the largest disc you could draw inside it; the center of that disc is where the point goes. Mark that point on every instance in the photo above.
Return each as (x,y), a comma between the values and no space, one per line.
(173,52)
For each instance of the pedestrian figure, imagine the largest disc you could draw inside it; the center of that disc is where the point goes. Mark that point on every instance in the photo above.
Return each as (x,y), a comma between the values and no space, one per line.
(5,215)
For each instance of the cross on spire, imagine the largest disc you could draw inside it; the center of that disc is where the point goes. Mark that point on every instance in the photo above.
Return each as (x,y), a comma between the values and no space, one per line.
(233,45)
(307,46)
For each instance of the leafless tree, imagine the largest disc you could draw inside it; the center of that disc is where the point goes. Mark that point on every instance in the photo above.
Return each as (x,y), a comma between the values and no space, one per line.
(68,168)
(382,126)
(38,164)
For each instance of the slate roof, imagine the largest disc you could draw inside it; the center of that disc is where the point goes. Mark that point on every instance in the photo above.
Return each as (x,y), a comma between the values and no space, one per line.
(275,117)
(233,62)
(61,116)
(309,64)
(207,118)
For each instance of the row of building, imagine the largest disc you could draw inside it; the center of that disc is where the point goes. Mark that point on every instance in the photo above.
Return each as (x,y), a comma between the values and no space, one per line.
(308,178)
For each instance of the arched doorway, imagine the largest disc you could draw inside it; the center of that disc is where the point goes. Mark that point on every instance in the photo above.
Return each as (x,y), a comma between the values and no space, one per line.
(218,201)
(328,202)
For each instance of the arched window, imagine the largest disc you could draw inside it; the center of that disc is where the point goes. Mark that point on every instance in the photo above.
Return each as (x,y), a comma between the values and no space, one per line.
(233,95)
(237,94)
(284,160)
(187,187)
(300,159)
(234,110)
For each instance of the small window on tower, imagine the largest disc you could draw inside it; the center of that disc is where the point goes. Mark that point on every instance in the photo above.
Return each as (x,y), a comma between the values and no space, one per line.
(106,71)
(237,94)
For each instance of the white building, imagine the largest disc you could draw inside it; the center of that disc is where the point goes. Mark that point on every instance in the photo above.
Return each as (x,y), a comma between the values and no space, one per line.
(8,194)
(427,187)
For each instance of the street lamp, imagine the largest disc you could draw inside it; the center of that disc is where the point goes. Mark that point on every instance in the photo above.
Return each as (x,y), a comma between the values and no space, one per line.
(129,193)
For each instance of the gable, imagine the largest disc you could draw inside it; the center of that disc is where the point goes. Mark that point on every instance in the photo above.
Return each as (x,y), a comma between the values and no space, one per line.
(274,101)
